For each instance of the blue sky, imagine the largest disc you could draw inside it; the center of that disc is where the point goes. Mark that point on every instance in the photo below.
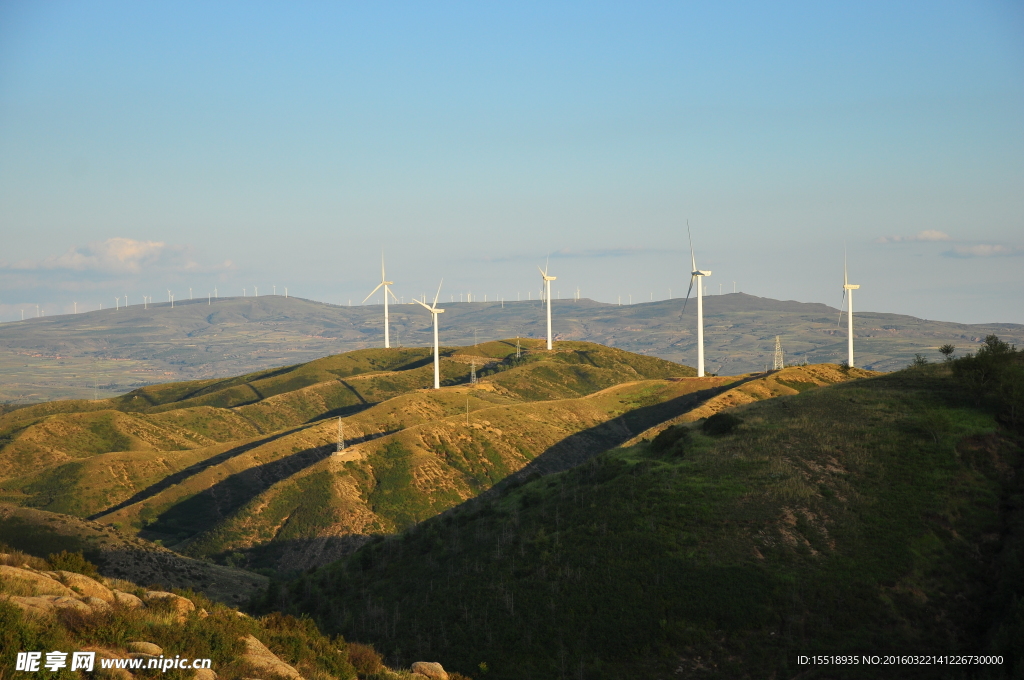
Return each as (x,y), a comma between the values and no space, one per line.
(155,146)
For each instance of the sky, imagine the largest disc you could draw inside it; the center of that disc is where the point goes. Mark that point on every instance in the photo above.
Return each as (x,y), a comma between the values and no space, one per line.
(150,148)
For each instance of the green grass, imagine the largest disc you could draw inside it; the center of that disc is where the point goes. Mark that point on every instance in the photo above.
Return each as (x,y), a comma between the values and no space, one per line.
(840,520)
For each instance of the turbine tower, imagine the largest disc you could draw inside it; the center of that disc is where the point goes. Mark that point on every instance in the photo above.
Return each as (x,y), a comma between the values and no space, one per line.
(848,288)
(547,294)
(434,311)
(697,274)
(387,291)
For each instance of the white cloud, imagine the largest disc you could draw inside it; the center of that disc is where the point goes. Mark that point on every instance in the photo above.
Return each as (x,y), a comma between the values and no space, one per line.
(983,250)
(118,256)
(926,235)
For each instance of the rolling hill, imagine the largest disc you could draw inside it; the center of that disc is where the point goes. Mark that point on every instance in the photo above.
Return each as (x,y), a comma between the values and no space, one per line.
(245,470)
(880,516)
(109,352)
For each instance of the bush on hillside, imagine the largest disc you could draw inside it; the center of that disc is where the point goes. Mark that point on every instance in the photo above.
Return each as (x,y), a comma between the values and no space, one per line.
(364,659)
(72,561)
(995,375)
(721,423)
(672,440)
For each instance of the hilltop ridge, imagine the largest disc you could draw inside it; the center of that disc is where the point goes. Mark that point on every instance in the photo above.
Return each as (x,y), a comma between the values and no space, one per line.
(108,352)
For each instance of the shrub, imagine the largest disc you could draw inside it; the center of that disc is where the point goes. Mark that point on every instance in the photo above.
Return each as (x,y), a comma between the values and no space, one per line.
(673,439)
(364,658)
(72,561)
(721,423)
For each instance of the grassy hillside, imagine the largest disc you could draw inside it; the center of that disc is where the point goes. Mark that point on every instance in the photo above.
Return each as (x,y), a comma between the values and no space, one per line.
(107,353)
(880,516)
(427,460)
(241,470)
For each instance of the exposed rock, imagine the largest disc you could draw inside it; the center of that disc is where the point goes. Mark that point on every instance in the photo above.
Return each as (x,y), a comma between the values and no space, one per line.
(83,585)
(35,582)
(104,653)
(44,604)
(145,648)
(33,606)
(182,605)
(204,674)
(127,599)
(96,603)
(260,658)
(430,669)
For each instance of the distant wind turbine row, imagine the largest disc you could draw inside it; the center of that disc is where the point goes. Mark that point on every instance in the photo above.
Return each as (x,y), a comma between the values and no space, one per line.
(696,275)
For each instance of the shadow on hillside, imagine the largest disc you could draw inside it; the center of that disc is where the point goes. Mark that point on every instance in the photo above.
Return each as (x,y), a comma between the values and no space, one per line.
(578,448)
(289,558)
(204,510)
(190,471)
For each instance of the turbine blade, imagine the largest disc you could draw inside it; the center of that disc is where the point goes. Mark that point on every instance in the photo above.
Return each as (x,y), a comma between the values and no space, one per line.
(373,291)
(423,305)
(542,272)
(840,322)
(382,276)
(393,296)
(845,280)
(693,260)
(688,292)
(434,306)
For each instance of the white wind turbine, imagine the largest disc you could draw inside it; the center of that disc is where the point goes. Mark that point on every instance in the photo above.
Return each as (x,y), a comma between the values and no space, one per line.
(848,288)
(547,294)
(697,274)
(387,291)
(434,311)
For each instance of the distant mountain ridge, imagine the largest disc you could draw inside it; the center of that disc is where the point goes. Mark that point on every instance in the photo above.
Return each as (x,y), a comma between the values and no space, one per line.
(109,352)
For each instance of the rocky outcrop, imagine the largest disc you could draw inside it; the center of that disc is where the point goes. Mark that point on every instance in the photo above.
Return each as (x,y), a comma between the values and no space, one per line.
(128,600)
(83,585)
(46,604)
(181,606)
(430,669)
(257,656)
(145,648)
(41,593)
(32,583)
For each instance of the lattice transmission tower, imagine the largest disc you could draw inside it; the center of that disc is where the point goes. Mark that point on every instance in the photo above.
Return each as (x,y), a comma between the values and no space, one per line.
(778,354)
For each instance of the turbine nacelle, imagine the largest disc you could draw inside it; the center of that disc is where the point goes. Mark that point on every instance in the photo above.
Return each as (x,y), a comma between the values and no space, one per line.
(698,272)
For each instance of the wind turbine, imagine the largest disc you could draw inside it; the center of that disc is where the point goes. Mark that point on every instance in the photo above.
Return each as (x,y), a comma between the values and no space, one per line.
(434,311)
(387,291)
(547,294)
(697,274)
(848,287)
